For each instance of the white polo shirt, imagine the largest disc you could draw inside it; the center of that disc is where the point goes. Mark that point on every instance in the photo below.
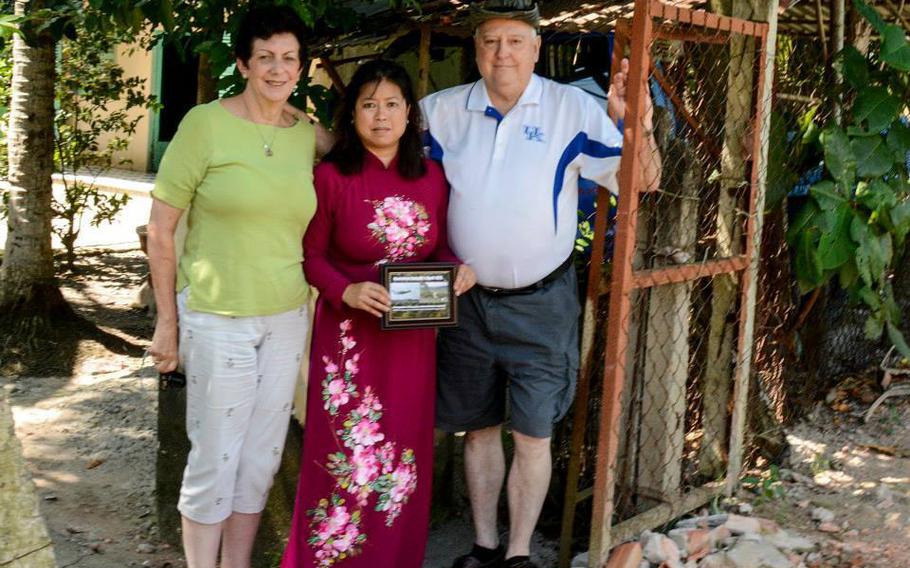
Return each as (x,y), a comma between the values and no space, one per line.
(514,178)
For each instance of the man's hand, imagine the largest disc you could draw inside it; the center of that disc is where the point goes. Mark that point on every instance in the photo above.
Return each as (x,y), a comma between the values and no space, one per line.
(649,156)
(616,98)
(324,137)
(367,296)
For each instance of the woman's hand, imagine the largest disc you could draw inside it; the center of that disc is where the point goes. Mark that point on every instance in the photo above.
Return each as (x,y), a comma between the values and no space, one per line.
(465,278)
(367,296)
(164,347)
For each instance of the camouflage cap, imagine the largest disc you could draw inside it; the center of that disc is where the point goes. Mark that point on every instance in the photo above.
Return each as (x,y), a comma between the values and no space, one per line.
(521,10)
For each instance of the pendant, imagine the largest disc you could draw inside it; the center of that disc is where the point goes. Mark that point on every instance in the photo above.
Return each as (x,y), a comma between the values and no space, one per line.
(268,150)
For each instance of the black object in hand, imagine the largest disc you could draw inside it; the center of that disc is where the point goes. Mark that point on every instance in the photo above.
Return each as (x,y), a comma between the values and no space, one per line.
(172,380)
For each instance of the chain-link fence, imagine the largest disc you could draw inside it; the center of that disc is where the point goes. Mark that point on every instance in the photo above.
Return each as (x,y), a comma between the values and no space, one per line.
(659,427)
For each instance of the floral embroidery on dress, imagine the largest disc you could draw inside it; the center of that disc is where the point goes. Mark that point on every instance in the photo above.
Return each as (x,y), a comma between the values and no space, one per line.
(366,464)
(401,225)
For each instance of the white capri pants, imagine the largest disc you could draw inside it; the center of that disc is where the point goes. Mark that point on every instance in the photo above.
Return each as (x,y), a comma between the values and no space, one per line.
(241,373)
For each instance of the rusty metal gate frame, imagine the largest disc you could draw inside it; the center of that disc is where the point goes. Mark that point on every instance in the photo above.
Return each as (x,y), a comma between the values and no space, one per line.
(650,22)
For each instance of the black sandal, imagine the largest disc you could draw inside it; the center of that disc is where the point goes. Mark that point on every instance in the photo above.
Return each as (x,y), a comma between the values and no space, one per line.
(471,561)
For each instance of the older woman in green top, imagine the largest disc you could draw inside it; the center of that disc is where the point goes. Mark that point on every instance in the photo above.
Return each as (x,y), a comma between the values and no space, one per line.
(234,310)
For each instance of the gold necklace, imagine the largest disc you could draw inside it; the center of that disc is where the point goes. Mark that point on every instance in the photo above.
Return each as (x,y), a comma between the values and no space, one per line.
(266,144)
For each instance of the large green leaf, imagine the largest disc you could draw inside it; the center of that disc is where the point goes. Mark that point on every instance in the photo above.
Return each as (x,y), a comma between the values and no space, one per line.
(803,221)
(839,158)
(875,194)
(869,297)
(854,67)
(873,158)
(835,246)
(809,273)
(894,50)
(827,194)
(870,14)
(899,140)
(873,252)
(848,274)
(885,250)
(897,339)
(900,217)
(877,107)
(859,232)
(874,327)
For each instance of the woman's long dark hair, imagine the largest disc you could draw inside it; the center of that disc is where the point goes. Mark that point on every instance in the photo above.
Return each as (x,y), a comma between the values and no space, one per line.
(348,152)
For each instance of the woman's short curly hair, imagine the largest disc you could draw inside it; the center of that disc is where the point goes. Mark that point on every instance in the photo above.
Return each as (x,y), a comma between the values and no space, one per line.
(262,21)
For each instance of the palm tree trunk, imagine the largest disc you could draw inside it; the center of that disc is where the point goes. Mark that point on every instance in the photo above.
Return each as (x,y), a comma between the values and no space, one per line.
(27,282)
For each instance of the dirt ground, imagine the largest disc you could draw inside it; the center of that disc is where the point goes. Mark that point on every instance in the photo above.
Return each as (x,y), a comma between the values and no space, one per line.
(86,416)
(88,435)
(857,470)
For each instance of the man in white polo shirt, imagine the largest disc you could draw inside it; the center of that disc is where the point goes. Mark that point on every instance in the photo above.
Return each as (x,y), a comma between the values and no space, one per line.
(513,146)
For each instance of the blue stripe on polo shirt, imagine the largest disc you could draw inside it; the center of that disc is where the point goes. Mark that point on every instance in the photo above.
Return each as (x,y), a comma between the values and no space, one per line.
(435,148)
(579,145)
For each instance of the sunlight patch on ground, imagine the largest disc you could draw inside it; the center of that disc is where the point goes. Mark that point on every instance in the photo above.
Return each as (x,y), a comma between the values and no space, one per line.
(896,480)
(36,415)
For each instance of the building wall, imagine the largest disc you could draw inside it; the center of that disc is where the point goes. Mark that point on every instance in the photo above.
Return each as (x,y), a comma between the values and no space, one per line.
(136,62)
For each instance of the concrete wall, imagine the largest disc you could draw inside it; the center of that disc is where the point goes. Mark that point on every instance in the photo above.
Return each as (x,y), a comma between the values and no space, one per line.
(24,542)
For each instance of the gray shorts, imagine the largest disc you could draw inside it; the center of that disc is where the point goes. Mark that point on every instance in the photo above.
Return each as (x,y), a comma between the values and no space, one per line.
(523,345)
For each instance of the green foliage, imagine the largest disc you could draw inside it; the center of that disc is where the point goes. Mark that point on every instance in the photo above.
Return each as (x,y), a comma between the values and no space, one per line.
(203,28)
(855,225)
(95,118)
(766,485)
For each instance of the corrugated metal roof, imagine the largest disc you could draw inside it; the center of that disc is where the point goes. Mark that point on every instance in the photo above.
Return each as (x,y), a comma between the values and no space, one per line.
(797,17)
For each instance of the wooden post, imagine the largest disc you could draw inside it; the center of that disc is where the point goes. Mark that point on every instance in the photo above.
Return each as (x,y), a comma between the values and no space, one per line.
(718,380)
(423,65)
(750,276)
(666,365)
(330,70)
(821,29)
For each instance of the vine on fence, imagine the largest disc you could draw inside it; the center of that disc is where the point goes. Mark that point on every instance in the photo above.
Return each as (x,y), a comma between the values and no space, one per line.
(855,224)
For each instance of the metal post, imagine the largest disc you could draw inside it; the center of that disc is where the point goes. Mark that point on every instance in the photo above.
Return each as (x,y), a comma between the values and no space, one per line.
(580,416)
(617,337)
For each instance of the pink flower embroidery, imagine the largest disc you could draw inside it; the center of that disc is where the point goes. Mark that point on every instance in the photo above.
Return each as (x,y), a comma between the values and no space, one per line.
(366,433)
(338,387)
(366,466)
(335,532)
(337,394)
(330,367)
(362,468)
(401,225)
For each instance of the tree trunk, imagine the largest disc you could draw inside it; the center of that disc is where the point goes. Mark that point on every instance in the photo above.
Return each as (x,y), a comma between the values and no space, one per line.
(27,282)
(206,85)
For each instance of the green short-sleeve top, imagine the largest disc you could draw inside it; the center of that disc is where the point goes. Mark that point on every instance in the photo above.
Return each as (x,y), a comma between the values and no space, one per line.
(249,211)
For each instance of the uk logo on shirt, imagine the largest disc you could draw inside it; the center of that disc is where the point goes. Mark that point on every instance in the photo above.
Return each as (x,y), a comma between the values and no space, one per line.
(533,133)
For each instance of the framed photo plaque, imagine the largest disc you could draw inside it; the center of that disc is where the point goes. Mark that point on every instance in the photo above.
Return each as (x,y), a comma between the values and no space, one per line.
(422,294)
